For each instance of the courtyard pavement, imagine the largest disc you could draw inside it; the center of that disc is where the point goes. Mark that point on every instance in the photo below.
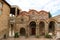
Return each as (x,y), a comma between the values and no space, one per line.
(29,38)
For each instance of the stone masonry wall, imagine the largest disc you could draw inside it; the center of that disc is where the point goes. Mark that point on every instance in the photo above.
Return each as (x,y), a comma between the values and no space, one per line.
(4,17)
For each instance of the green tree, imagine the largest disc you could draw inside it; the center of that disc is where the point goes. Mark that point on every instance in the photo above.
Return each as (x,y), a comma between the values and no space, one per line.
(50,15)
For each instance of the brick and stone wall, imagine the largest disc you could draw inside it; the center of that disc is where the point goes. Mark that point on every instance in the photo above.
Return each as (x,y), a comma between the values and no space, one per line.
(4,17)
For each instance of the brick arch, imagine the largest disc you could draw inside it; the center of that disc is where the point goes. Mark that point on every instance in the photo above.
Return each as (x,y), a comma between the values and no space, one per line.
(24,13)
(43,12)
(31,21)
(52,25)
(33,11)
(43,21)
(32,27)
(52,20)
(42,27)
(23,19)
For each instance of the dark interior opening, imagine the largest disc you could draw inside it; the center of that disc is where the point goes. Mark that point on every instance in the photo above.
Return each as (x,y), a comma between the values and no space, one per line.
(12,11)
(33,28)
(51,26)
(22,32)
(32,24)
(42,28)
(17,12)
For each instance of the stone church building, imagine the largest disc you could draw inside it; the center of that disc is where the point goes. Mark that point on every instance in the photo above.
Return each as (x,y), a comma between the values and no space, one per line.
(31,23)
(35,23)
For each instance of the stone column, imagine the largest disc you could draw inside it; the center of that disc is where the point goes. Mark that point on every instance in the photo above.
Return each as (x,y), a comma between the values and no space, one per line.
(16,11)
(46,28)
(37,30)
(13,32)
(56,27)
(10,31)
(27,31)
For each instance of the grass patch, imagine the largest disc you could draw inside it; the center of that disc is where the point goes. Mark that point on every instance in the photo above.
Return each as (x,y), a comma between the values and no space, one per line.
(16,35)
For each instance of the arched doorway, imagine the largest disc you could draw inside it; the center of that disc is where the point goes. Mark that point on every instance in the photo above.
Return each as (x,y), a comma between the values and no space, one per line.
(52,26)
(22,32)
(33,27)
(42,28)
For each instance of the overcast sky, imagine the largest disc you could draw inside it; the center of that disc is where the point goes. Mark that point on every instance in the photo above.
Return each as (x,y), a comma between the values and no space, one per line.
(48,5)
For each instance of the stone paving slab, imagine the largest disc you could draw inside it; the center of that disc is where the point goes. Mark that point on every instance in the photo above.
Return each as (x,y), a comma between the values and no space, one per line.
(30,38)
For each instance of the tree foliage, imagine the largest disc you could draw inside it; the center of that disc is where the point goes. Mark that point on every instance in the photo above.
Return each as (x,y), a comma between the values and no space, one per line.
(50,15)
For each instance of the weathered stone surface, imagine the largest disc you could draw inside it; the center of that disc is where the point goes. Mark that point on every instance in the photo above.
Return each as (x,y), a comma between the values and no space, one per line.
(4,19)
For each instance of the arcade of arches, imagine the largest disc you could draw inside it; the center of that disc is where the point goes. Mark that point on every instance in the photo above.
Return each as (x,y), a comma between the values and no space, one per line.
(40,29)
(34,23)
